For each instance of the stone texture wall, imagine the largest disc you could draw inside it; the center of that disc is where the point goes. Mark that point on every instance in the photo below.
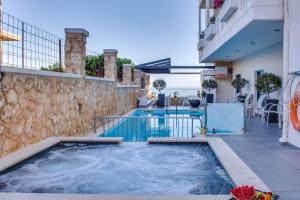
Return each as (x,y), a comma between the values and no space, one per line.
(127,75)
(142,92)
(34,107)
(137,76)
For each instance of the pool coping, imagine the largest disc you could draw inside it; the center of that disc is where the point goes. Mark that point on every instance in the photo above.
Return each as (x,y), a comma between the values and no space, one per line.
(239,172)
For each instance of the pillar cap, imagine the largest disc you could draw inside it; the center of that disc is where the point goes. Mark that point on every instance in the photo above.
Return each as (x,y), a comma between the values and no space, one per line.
(77,30)
(128,65)
(113,51)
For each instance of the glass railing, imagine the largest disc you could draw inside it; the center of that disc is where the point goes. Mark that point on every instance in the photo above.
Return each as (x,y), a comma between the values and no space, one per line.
(225,118)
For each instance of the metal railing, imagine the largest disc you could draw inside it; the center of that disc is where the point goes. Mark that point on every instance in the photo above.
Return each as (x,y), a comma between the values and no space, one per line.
(26,46)
(139,128)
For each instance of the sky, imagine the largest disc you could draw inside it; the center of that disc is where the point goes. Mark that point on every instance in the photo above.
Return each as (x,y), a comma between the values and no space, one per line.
(142,30)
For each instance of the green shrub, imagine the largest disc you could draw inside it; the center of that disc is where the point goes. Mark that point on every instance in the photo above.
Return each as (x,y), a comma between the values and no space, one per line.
(54,68)
(94,64)
(159,84)
(239,83)
(268,83)
(209,85)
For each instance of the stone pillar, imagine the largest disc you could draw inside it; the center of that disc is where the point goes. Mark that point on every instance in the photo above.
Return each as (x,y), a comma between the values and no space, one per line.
(1,53)
(110,63)
(147,81)
(75,50)
(127,68)
(137,77)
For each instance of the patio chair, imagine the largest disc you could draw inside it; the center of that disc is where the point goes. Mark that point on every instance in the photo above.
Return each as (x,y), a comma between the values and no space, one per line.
(185,101)
(168,100)
(239,98)
(272,108)
(259,105)
(249,104)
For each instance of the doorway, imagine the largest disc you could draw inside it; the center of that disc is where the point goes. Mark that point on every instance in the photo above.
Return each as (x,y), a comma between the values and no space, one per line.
(238,90)
(258,74)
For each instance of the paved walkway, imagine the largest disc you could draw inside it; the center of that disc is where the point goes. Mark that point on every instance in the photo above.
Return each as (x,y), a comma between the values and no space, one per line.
(277,165)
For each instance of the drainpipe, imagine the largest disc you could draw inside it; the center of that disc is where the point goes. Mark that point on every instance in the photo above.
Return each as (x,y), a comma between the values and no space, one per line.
(286,95)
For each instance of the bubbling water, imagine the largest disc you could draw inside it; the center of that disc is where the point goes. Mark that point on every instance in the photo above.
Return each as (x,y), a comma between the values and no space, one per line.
(133,168)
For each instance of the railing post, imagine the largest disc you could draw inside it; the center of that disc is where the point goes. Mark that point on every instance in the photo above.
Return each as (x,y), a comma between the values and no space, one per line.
(192,127)
(23,46)
(205,121)
(244,108)
(59,54)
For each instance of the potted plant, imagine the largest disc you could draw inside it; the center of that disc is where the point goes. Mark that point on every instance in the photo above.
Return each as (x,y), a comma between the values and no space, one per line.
(267,84)
(239,84)
(218,4)
(201,41)
(212,20)
(209,85)
(203,94)
(160,85)
(202,34)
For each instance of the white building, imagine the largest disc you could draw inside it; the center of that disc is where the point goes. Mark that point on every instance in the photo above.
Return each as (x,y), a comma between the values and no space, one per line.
(251,37)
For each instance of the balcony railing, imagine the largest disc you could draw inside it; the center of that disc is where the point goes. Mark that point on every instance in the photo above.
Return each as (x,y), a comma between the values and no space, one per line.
(139,128)
(229,7)
(222,17)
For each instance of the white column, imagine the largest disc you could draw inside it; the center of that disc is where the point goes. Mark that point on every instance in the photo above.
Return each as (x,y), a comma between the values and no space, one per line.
(286,94)
(207,12)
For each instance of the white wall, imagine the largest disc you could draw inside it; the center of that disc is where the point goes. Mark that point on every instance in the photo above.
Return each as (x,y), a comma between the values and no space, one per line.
(269,60)
(292,63)
(225,91)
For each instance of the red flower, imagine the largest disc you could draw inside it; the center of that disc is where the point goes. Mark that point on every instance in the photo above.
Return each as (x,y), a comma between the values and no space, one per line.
(243,192)
(218,3)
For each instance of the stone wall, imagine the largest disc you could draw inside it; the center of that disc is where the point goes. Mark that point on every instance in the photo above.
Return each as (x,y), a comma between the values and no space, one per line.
(127,74)
(34,107)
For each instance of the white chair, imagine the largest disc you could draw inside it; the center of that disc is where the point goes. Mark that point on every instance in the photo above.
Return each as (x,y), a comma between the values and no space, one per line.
(278,111)
(269,109)
(238,98)
(249,104)
(259,105)
(185,101)
(144,101)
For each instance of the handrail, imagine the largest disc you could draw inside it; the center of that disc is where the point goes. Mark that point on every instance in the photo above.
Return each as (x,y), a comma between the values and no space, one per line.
(161,126)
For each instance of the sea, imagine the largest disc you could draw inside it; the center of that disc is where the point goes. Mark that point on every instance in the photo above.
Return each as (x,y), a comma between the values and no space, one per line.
(181,91)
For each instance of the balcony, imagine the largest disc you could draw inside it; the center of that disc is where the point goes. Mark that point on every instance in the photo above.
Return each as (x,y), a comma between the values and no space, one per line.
(242,27)
(210,32)
(228,9)
(201,44)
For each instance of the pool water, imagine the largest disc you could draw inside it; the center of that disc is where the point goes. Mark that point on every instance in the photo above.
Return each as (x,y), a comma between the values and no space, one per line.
(156,123)
(129,168)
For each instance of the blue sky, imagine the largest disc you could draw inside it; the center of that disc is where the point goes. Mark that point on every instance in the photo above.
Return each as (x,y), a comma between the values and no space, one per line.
(143,30)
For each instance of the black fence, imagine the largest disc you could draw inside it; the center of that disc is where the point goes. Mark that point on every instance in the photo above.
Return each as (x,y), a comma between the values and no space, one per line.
(27,46)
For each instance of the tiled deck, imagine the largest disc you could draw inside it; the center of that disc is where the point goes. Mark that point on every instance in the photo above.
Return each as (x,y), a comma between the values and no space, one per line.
(277,165)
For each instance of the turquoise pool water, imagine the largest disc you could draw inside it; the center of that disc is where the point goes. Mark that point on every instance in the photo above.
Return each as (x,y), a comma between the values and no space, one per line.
(125,169)
(156,123)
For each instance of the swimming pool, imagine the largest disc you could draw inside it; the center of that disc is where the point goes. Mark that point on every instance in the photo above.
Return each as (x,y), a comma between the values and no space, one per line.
(128,168)
(142,124)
